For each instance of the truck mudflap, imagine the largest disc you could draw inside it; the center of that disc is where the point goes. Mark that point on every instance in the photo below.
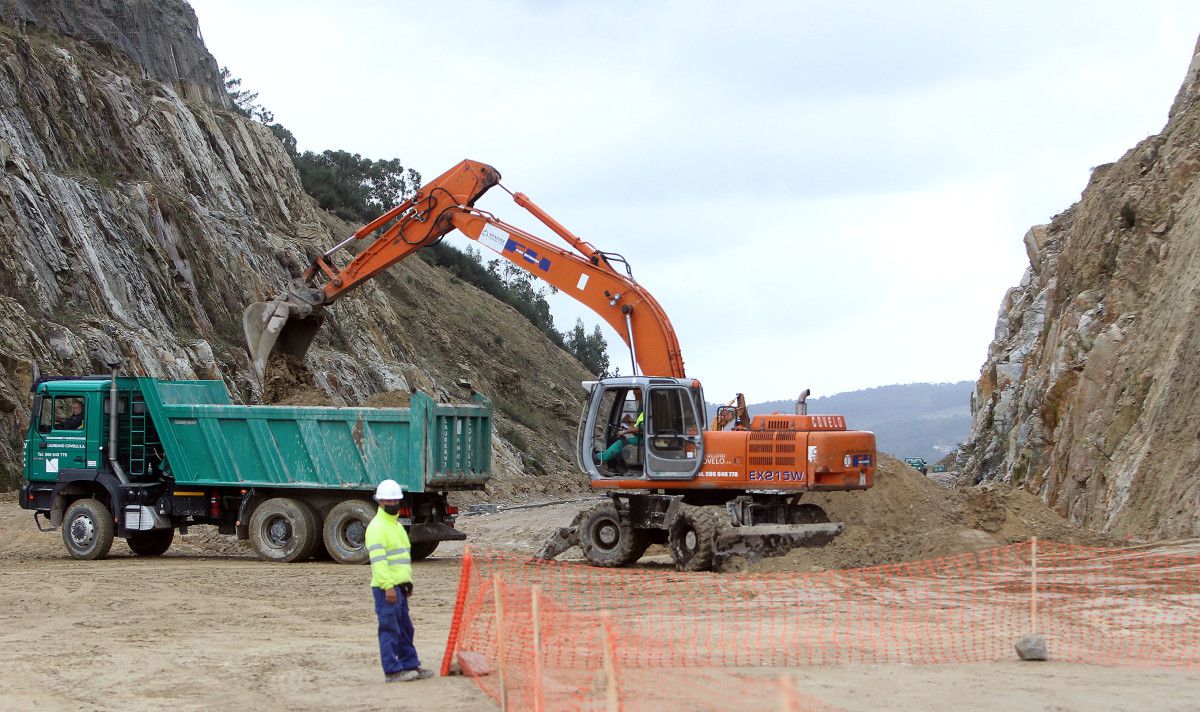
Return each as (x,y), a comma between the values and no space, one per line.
(757,542)
(433,531)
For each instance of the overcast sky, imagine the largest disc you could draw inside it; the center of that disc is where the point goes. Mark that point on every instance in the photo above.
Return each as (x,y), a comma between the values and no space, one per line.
(821,195)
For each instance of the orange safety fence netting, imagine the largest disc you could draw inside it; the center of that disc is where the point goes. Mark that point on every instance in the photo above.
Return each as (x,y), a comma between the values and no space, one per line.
(728,636)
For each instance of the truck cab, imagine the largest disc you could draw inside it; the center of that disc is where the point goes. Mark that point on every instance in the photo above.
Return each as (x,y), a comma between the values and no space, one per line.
(71,478)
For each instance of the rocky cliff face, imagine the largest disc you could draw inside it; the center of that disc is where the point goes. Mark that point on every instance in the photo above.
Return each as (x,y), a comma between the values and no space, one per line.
(1090,395)
(138,217)
(162,37)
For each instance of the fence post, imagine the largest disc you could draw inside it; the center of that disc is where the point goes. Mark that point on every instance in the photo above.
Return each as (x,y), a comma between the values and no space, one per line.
(787,700)
(612,698)
(536,601)
(464,582)
(500,641)
(1033,622)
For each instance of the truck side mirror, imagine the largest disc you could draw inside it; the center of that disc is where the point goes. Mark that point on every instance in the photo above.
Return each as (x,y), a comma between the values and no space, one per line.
(36,415)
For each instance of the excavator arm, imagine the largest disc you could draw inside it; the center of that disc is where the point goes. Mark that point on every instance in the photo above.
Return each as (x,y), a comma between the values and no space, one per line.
(289,323)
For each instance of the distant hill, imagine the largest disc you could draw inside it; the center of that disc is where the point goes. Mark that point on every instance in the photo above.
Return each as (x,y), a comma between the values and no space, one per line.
(911,420)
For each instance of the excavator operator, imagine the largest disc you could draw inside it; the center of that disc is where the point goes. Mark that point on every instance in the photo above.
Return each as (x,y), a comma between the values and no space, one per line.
(631,434)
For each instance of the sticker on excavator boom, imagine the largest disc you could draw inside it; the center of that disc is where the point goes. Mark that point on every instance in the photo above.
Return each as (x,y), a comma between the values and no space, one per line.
(529,254)
(493,238)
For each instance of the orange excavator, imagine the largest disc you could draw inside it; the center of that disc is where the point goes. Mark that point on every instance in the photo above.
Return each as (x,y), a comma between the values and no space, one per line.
(708,493)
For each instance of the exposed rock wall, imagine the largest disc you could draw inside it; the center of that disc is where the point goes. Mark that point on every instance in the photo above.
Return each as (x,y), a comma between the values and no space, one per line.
(136,222)
(1090,396)
(162,37)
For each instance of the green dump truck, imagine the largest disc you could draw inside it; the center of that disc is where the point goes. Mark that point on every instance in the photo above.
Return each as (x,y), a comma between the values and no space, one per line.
(173,454)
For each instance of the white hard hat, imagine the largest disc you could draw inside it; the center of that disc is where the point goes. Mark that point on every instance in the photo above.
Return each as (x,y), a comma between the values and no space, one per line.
(389,489)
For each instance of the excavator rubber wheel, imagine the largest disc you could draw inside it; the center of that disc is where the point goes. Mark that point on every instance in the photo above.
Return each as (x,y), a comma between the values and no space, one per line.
(606,541)
(693,535)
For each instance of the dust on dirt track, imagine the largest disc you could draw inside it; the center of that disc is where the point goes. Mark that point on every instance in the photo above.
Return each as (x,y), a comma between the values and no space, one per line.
(208,626)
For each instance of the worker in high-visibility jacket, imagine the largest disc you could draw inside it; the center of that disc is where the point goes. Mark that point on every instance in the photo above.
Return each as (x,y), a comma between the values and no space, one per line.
(391,584)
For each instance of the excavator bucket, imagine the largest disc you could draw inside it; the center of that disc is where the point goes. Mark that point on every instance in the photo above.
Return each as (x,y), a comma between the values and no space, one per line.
(287,324)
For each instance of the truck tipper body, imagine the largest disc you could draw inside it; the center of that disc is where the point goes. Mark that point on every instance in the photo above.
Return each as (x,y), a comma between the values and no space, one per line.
(292,479)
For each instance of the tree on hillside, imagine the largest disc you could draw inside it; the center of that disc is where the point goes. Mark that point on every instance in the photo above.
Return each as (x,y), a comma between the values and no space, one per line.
(590,349)
(354,188)
(245,102)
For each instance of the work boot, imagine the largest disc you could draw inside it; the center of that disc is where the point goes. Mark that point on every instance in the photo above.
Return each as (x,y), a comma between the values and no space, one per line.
(410,675)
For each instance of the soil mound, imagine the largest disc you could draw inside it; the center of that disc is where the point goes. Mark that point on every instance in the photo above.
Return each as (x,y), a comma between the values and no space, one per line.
(388,399)
(289,382)
(906,516)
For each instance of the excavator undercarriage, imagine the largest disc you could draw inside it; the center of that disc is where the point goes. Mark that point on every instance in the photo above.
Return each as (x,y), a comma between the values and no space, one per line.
(699,536)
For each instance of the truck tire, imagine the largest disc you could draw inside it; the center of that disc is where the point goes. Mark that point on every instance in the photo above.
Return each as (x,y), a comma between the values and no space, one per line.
(345,531)
(422,549)
(88,529)
(284,529)
(606,541)
(152,543)
(693,535)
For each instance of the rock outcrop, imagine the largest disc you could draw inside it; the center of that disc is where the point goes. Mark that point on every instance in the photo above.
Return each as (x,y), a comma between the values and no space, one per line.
(162,38)
(138,217)
(1090,396)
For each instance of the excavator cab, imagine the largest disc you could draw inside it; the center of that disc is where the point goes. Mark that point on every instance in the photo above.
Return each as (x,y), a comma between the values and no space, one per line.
(642,428)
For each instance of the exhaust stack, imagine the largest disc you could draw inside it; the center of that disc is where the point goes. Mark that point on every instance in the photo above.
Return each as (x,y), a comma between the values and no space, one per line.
(801,402)
(113,402)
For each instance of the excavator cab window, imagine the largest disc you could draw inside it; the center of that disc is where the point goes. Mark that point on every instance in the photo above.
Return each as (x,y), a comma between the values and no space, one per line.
(673,429)
(617,437)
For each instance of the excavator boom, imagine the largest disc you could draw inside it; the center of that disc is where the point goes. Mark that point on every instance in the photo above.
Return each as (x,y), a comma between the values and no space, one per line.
(289,323)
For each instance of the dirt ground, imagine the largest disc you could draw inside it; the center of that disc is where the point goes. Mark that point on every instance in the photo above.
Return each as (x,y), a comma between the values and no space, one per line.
(209,627)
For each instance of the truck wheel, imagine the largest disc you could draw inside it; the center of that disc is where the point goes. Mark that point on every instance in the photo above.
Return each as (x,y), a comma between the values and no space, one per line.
(88,529)
(606,541)
(345,531)
(422,549)
(693,535)
(284,529)
(152,543)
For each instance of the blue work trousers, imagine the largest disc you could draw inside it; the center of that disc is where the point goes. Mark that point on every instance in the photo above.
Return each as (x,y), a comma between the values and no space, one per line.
(396,650)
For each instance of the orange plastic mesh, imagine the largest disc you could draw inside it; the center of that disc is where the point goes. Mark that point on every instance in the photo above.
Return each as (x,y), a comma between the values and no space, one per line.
(731,637)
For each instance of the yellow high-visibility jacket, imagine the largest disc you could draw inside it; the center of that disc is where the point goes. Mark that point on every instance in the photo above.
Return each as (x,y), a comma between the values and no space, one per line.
(388,547)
